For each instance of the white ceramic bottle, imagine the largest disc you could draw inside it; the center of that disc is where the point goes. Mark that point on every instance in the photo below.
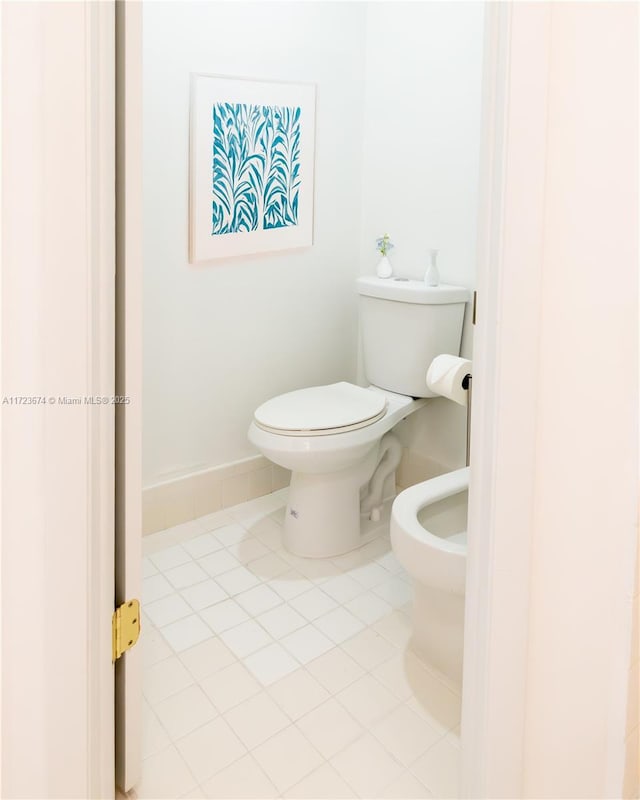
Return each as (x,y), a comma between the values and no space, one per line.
(432,276)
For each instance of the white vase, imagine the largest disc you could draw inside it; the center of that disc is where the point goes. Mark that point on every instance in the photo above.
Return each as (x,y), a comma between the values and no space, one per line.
(384,269)
(432,275)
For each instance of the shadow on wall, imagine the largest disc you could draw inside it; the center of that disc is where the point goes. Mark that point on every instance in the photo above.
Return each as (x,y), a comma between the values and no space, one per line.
(439,429)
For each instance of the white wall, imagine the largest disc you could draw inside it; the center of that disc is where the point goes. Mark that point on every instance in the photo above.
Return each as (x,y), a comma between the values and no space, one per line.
(398,127)
(420,168)
(220,339)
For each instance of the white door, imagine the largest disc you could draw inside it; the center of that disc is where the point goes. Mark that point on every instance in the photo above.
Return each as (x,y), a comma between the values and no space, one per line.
(128,677)
(56,351)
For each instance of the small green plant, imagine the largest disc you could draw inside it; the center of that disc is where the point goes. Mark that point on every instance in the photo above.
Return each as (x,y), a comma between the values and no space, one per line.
(384,244)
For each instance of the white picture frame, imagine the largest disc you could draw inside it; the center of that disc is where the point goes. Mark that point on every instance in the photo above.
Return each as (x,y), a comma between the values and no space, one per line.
(251,166)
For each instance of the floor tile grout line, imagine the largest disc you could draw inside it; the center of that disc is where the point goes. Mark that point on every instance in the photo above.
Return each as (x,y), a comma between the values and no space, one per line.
(325,760)
(159,721)
(316,582)
(172,746)
(368,670)
(284,603)
(173,741)
(250,751)
(440,736)
(267,686)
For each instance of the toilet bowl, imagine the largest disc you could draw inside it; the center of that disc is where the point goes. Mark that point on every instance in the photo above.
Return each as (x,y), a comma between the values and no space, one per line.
(338,447)
(429,538)
(337,440)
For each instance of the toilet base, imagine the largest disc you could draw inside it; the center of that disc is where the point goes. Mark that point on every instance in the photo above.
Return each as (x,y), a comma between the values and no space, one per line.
(438,630)
(322,518)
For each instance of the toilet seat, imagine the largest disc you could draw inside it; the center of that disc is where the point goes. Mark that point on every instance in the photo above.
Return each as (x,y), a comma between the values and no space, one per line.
(321,410)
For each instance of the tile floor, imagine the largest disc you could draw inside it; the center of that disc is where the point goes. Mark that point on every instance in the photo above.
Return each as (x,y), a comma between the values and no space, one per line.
(268,675)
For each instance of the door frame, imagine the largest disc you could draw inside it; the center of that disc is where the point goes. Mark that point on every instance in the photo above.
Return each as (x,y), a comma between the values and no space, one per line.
(503,433)
(57,481)
(535,405)
(128,340)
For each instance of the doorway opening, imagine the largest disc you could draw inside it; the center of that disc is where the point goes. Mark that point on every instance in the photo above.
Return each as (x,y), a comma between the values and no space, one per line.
(264,671)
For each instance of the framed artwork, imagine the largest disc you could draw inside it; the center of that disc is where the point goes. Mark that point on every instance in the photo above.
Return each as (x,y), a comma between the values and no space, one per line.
(252,158)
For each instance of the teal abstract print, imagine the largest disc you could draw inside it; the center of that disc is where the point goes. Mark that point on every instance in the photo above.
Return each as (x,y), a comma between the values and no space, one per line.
(256,167)
(252,163)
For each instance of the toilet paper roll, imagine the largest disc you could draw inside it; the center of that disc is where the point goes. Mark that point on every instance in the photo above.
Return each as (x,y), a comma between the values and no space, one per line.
(445,376)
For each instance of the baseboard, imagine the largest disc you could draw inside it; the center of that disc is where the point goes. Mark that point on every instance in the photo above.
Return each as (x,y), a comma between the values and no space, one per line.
(190,496)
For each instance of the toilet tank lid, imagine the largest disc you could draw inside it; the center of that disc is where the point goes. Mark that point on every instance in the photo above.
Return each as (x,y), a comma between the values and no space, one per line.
(411,291)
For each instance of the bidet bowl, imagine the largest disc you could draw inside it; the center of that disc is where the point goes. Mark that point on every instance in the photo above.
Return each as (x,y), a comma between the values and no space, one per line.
(428,536)
(428,530)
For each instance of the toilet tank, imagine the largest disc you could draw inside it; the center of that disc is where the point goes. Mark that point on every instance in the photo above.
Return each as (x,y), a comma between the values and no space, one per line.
(405,324)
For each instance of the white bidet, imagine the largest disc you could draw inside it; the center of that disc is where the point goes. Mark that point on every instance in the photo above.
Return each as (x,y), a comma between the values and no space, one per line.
(429,538)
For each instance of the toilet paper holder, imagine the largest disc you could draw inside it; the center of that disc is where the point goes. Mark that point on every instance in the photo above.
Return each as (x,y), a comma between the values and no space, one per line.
(466,384)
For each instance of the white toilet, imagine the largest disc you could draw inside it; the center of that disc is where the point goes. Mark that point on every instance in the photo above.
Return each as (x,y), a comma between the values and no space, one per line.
(429,538)
(336,439)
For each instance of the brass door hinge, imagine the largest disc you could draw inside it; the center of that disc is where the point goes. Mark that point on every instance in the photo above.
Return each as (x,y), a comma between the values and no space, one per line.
(125,628)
